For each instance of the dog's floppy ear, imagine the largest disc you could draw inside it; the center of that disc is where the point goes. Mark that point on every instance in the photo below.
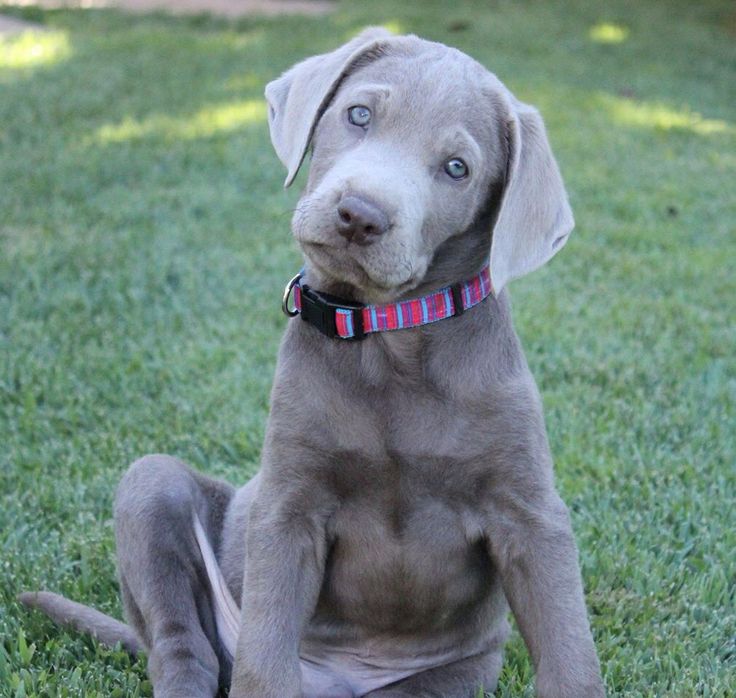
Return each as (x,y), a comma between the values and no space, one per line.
(298,98)
(535,219)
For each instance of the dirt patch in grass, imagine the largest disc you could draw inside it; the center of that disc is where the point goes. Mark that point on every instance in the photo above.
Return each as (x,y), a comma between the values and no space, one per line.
(11,25)
(224,8)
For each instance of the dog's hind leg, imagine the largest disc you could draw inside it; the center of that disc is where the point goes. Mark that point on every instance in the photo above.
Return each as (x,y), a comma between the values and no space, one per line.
(166,592)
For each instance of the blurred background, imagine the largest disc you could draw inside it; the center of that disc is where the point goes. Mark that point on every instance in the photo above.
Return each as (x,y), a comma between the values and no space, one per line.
(144,243)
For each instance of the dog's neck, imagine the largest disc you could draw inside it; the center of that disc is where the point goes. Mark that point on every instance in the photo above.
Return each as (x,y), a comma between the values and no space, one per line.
(406,351)
(415,358)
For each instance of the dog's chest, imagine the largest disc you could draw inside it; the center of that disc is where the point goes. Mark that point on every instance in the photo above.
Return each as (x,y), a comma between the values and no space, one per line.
(401,464)
(404,560)
(397,425)
(407,549)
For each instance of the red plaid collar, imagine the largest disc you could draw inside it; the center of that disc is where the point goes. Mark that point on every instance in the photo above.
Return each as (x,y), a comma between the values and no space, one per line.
(336,317)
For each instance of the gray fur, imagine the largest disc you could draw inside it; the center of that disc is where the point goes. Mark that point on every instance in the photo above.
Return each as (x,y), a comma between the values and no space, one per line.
(406,492)
(84,619)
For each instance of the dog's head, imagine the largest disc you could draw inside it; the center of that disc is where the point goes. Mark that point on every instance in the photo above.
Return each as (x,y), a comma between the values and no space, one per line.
(421,160)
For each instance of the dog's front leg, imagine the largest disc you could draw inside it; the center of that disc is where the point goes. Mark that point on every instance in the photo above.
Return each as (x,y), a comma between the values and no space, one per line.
(285,559)
(533,546)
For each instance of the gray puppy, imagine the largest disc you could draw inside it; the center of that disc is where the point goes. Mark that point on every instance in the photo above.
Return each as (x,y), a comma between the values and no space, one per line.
(406,490)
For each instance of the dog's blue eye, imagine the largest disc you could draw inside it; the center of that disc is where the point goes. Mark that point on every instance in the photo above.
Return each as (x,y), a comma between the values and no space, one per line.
(359,115)
(456,168)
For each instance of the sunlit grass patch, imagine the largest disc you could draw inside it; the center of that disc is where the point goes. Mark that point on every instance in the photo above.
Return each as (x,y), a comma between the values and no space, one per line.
(209,121)
(392,25)
(659,116)
(608,33)
(34,47)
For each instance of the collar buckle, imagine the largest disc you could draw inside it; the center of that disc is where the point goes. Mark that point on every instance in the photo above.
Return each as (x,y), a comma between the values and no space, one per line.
(294,281)
(318,309)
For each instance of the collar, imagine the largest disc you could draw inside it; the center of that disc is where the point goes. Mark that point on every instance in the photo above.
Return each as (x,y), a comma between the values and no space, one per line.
(337,317)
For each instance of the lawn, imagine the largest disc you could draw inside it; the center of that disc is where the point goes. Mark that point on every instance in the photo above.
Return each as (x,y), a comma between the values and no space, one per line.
(144,242)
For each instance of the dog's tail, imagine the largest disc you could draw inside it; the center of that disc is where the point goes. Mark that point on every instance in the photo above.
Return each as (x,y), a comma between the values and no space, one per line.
(110,631)
(71,614)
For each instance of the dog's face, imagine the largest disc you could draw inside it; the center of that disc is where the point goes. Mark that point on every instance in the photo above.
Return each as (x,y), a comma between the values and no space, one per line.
(403,158)
(411,141)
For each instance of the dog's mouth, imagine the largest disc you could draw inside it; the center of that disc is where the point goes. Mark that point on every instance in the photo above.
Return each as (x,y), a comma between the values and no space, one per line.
(342,269)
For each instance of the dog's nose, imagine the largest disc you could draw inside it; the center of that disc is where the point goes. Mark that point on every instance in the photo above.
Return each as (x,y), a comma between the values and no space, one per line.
(360,221)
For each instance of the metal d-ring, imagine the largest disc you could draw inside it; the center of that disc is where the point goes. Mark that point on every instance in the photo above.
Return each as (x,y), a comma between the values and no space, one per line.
(289,312)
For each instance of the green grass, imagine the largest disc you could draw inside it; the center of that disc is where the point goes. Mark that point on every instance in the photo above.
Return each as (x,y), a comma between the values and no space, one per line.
(144,241)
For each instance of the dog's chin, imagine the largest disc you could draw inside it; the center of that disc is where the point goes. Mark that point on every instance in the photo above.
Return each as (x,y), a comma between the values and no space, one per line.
(345,275)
